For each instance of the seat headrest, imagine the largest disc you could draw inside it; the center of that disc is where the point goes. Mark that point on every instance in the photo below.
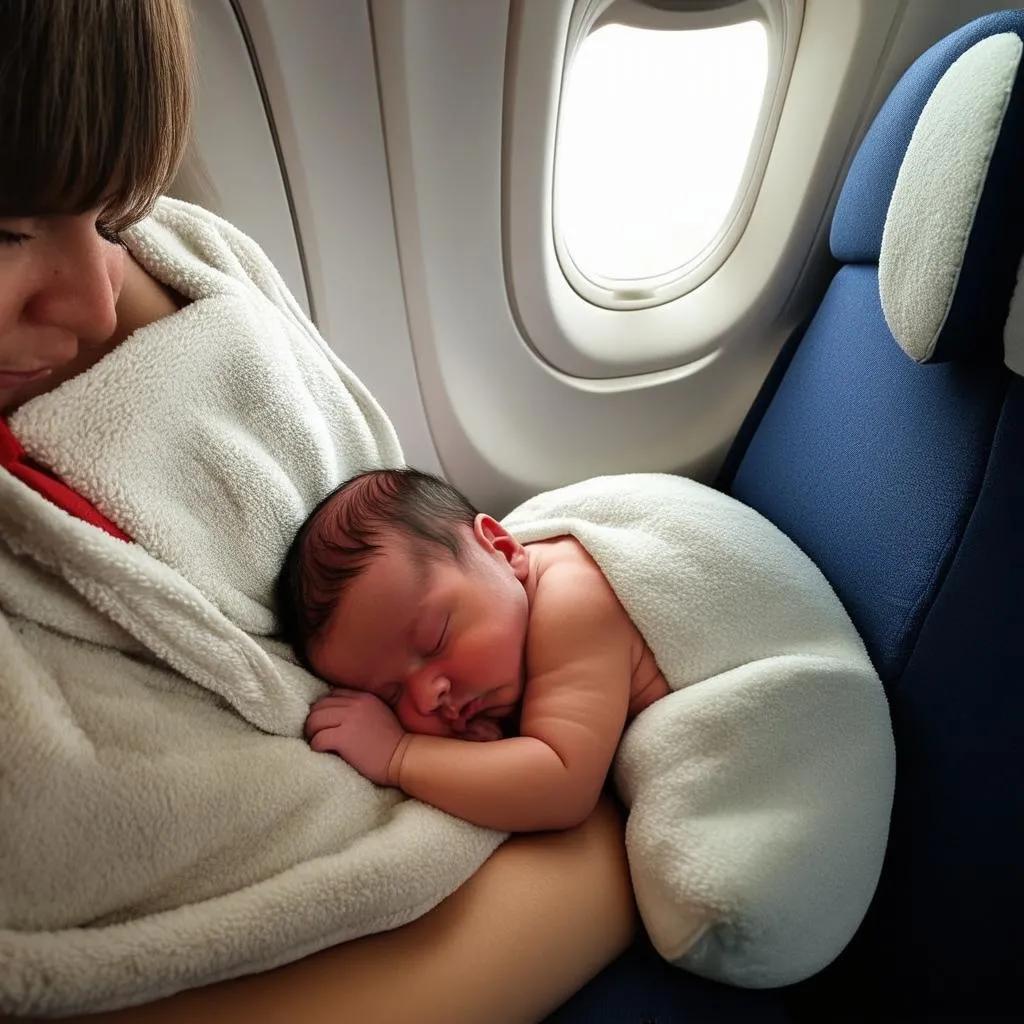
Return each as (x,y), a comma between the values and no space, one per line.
(934,194)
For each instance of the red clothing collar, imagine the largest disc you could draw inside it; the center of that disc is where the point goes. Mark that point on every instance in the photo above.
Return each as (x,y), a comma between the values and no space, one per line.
(40,479)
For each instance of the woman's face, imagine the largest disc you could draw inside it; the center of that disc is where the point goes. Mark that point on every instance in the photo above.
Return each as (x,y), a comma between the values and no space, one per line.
(60,280)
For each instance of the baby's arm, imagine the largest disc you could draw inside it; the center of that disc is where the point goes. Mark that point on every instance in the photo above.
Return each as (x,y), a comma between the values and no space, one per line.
(580,656)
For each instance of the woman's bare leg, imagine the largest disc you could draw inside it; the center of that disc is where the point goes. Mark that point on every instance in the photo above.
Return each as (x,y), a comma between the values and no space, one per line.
(540,918)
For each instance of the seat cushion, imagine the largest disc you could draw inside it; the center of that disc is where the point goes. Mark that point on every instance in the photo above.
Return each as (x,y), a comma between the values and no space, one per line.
(872,463)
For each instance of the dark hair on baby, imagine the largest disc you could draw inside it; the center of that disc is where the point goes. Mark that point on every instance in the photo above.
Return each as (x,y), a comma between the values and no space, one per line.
(347,530)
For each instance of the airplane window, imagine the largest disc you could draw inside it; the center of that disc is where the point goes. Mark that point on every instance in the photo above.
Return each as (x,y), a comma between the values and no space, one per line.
(657,128)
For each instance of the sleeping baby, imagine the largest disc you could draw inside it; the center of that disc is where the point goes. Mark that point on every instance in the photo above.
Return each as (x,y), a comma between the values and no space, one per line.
(758,791)
(435,625)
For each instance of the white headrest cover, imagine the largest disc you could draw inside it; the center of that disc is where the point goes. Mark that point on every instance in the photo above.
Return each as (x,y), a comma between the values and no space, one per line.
(937,192)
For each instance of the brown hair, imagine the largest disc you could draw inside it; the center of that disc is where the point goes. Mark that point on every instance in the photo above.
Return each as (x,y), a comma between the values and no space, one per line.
(95,103)
(347,530)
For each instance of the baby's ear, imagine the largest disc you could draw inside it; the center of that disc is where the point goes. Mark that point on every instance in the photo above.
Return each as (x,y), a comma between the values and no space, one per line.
(492,536)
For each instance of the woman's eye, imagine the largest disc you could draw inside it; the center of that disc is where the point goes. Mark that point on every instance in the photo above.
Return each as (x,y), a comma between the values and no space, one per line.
(13,237)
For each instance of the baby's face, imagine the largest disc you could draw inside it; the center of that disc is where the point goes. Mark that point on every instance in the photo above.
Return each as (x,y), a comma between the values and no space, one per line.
(441,641)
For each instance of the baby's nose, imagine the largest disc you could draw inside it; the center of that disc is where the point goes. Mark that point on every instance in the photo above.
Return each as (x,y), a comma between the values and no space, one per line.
(432,695)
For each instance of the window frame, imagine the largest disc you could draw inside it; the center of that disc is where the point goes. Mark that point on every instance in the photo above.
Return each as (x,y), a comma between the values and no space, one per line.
(566,332)
(781,21)
(485,306)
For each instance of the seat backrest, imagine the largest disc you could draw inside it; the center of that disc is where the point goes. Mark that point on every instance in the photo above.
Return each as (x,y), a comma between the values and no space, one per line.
(902,476)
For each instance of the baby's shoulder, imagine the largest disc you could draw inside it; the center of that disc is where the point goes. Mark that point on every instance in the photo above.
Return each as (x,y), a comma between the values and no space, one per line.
(575,617)
(570,581)
(562,560)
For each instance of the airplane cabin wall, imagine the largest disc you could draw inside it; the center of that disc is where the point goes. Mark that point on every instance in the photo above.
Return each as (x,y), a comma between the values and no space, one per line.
(370,145)
(289,147)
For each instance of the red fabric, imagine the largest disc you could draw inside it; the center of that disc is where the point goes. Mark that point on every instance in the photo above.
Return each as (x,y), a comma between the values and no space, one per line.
(18,464)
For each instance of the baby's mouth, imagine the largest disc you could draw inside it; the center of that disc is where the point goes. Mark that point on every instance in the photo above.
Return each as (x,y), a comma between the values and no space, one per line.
(470,709)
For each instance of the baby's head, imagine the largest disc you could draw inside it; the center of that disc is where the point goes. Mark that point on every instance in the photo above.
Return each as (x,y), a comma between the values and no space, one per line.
(396,585)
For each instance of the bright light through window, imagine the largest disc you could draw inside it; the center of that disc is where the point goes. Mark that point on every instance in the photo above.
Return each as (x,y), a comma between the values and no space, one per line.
(654,132)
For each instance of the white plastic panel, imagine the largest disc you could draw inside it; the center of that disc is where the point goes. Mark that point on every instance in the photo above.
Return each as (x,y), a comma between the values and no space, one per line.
(505,423)
(315,63)
(237,173)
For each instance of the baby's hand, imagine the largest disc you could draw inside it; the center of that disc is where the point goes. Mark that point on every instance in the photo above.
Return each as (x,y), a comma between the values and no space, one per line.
(358,726)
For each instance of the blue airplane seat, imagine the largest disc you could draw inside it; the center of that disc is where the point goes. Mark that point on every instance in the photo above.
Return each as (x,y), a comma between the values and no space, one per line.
(899,468)
(890,446)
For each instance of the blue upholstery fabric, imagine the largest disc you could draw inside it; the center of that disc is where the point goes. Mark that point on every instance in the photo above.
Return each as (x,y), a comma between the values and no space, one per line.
(954,880)
(905,484)
(871,463)
(641,988)
(864,201)
(942,940)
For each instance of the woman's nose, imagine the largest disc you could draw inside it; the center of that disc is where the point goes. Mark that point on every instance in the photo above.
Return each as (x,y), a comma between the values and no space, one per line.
(78,293)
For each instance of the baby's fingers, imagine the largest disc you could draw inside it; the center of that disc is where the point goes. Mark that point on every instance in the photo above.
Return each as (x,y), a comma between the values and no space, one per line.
(326,716)
(326,741)
(339,696)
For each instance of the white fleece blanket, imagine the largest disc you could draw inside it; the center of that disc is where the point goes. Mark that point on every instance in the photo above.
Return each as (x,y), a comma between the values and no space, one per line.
(760,789)
(162,823)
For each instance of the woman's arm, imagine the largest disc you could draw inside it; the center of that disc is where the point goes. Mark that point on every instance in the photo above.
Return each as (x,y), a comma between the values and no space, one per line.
(541,917)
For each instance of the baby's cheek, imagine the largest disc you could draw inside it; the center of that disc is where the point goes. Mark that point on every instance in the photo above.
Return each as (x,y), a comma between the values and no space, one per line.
(423,725)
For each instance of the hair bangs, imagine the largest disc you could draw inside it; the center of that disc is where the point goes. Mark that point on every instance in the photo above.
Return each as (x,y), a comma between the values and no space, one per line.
(94,106)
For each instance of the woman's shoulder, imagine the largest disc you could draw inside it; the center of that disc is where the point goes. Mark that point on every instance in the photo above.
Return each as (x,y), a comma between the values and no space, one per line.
(184,217)
(201,255)
(176,232)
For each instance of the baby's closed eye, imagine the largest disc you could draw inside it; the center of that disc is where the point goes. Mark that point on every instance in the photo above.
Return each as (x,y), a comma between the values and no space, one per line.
(442,638)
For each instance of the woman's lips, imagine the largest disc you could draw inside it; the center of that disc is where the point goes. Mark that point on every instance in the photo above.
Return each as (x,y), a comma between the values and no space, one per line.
(18,378)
